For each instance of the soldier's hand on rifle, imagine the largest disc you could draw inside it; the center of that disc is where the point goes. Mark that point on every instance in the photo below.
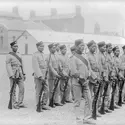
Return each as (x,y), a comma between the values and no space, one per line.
(41,78)
(12,77)
(24,77)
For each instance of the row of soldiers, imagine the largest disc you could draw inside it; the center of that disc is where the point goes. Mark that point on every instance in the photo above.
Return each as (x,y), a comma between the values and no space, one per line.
(86,73)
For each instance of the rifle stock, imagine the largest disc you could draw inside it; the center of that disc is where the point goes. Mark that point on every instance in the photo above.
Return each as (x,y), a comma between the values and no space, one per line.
(111,107)
(51,103)
(121,84)
(66,84)
(102,109)
(94,111)
(11,92)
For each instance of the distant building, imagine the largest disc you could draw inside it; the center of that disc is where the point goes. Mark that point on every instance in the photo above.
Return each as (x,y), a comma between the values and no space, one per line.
(64,23)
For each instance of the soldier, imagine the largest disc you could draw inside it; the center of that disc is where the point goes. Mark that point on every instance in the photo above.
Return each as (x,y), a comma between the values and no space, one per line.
(92,58)
(119,70)
(71,58)
(80,74)
(39,65)
(15,69)
(54,70)
(104,73)
(123,63)
(64,61)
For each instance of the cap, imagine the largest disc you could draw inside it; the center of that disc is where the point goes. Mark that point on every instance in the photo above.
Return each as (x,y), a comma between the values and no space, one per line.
(78,41)
(101,44)
(13,43)
(91,43)
(123,47)
(51,45)
(108,45)
(73,48)
(62,46)
(116,47)
(39,43)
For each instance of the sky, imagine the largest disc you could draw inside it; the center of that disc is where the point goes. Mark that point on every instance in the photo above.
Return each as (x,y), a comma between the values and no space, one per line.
(42,7)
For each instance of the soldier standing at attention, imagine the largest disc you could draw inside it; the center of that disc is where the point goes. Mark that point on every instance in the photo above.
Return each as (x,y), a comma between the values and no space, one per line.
(54,70)
(80,75)
(119,70)
(39,65)
(93,60)
(15,69)
(103,67)
(64,61)
(123,63)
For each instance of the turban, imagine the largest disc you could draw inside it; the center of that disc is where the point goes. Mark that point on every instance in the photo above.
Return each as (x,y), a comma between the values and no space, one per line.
(114,49)
(56,44)
(123,47)
(62,47)
(78,41)
(73,48)
(92,42)
(13,43)
(101,44)
(51,45)
(39,43)
(108,45)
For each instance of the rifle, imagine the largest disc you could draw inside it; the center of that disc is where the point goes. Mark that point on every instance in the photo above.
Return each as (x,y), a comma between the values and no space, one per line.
(121,84)
(114,82)
(20,35)
(38,109)
(102,111)
(51,104)
(11,91)
(65,88)
(94,115)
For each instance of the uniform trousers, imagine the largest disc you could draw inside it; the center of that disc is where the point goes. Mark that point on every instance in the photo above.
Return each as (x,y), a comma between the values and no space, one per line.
(38,87)
(82,108)
(20,84)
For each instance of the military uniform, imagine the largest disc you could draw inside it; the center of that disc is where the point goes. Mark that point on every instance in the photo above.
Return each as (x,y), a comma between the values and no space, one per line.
(78,68)
(103,69)
(54,69)
(13,66)
(64,61)
(39,65)
(123,64)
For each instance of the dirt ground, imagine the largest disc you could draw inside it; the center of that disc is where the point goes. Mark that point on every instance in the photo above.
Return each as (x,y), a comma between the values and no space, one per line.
(58,116)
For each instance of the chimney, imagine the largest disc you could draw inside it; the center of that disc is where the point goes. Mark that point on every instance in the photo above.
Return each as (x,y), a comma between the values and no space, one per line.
(15,10)
(32,14)
(53,12)
(78,10)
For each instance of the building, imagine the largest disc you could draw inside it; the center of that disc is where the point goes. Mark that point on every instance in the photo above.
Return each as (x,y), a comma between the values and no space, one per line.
(73,22)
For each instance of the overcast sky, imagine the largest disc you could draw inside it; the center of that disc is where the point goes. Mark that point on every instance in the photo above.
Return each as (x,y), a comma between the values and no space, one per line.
(42,7)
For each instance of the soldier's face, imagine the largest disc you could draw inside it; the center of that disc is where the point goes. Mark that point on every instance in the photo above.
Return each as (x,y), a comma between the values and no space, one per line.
(63,51)
(81,47)
(15,48)
(53,49)
(109,49)
(117,52)
(57,48)
(41,47)
(103,48)
(93,48)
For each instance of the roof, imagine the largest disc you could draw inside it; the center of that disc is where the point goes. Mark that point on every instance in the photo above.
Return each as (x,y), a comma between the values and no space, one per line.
(32,25)
(9,14)
(49,17)
(63,37)
(22,25)
(13,24)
